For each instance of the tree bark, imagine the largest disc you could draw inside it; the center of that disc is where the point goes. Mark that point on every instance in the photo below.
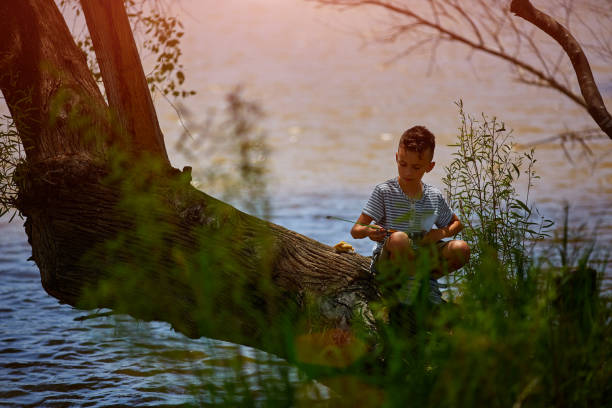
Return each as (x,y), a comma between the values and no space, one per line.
(47,85)
(594,102)
(286,283)
(195,254)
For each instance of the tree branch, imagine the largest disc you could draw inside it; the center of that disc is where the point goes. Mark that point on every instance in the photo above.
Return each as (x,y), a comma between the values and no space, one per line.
(594,102)
(451,35)
(484,23)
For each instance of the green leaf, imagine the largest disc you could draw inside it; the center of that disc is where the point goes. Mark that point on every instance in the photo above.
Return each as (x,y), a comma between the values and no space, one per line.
(523,206)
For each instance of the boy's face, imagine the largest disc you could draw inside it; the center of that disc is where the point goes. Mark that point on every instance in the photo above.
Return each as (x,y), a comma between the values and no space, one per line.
(411,166)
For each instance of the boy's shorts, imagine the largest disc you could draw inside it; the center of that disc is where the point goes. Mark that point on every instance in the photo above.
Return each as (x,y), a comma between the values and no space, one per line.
(435,296)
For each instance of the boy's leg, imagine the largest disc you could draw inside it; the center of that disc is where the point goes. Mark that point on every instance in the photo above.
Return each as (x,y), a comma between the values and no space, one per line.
(456,253)
(398,246)
(394,257)
(398,251)
(453,255)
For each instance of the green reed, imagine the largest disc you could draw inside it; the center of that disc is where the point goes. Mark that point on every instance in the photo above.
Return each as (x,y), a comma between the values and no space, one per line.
(216,281)
(488,183)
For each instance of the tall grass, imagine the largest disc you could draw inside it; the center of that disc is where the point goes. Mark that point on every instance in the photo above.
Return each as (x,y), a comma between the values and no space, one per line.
(224,264)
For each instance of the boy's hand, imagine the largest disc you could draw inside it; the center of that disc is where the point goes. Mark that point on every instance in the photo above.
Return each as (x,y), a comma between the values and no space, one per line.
(376,233)
(450,230)
(433,235)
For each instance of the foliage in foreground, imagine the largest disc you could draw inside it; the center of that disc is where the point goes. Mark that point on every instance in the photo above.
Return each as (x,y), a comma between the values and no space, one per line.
(516,332)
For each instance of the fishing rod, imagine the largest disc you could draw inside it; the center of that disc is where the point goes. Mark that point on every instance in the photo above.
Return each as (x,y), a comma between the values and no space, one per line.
(331,217)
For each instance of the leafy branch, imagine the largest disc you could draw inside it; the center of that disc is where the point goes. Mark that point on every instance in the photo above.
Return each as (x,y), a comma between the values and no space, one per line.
(161,34)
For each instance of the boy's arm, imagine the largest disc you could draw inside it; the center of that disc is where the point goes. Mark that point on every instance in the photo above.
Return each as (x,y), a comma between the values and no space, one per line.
(452,229)
(361,231)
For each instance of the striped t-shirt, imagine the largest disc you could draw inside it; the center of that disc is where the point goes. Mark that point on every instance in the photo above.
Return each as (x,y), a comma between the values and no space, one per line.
(392,209)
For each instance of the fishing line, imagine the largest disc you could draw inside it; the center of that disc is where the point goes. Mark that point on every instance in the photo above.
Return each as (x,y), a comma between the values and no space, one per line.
(331,217)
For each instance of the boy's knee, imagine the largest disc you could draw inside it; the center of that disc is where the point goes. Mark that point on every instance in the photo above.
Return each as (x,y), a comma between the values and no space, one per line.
(460,250)
(398,241)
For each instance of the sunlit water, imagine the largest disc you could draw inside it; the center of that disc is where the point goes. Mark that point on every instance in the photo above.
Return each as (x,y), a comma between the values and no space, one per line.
(335,110)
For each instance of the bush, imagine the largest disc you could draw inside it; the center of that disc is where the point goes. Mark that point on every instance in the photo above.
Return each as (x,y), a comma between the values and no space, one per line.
(481,183)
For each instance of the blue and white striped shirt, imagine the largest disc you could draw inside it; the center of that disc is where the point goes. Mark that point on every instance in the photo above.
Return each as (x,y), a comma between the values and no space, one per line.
(391,208)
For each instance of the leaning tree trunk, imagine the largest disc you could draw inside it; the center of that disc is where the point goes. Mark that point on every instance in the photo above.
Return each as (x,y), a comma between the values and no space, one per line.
(176,255)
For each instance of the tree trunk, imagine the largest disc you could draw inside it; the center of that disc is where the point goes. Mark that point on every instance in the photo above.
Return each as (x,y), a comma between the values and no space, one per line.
(281,277)
(176,255)
(46,83)
(124,79)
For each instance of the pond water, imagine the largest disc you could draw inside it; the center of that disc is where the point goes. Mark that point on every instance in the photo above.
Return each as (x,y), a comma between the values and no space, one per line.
(334,113)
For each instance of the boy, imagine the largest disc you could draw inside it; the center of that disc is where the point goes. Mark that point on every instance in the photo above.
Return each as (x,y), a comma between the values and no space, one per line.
(411,207)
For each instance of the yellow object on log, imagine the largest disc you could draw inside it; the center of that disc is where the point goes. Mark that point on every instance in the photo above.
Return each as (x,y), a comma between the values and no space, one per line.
(342,246)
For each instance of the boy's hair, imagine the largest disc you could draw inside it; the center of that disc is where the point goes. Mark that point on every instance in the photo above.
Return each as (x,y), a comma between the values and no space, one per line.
(418,139)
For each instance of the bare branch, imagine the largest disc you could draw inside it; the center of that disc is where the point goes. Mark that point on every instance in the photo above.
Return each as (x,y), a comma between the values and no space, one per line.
(487,26)
(409,50)
(602,41)
(588,87)
(434,50)
(475,29)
